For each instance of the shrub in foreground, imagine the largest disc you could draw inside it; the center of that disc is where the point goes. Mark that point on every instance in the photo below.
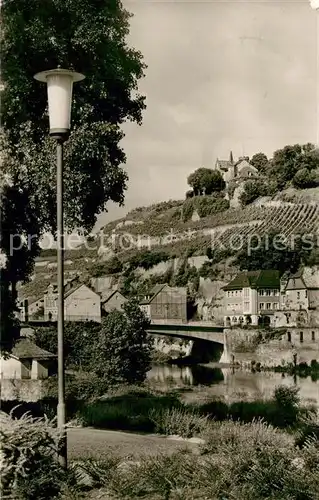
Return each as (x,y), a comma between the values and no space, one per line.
(29,466)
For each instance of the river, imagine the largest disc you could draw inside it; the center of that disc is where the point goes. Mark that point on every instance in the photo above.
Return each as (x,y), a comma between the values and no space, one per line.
(228,384)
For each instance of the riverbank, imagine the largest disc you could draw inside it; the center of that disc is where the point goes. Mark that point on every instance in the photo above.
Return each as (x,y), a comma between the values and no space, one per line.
(245,450)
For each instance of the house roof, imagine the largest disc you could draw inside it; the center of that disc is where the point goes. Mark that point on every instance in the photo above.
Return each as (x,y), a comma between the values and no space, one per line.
(224,164)
(308,275)
(25,349)
(152,293)
(255,279)
(69,292)
(72,290)
(106,298)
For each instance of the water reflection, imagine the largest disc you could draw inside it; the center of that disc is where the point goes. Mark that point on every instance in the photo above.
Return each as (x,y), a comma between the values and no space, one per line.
(232,384)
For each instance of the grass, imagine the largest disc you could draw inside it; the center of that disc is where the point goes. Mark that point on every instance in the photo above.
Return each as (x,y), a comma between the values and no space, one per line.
(139,409)
(238,461)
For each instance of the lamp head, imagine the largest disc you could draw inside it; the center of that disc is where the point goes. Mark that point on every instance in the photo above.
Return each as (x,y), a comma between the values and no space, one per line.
(60,86)
(314,4)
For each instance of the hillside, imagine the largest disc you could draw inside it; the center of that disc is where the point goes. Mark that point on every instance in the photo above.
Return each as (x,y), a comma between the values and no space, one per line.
(179,230)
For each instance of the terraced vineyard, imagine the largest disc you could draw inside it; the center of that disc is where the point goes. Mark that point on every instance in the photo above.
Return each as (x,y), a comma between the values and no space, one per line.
(291,221)
(232,228)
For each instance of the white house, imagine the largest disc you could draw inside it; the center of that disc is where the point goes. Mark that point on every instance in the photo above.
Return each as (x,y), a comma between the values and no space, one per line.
(81,303)
(27,361)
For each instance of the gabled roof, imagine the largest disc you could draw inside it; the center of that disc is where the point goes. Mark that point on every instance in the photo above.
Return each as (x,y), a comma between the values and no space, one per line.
(255,279)
(110,295)
(308,276)
(152,293)
(72,290)
(25,349)
(224,164)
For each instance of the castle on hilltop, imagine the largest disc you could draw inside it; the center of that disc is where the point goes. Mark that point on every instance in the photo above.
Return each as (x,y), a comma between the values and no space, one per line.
(235,174)
(237,171)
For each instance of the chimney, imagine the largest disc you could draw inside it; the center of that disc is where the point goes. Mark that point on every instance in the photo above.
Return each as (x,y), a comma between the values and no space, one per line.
(26,310)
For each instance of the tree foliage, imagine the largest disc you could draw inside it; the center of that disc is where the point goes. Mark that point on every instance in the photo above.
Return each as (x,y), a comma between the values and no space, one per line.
(122,350)
(273,251)
(78,339)
(252,191)
(206,181)
(286,163)
(306,178)
(204,205)
(117,350)
(260,161)
(88,36)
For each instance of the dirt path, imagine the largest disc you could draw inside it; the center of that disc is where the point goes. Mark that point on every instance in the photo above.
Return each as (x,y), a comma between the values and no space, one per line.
(87,442)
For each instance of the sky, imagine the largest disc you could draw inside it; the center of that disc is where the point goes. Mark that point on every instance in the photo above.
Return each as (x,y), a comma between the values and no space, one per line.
(221,76)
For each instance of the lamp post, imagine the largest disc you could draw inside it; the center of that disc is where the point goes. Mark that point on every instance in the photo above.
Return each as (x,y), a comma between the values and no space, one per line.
(59,87)
(315,6)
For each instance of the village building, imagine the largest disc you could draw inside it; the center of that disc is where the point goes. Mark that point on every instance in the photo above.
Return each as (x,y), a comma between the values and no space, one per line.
(252,297)
(165,303)
(81,303)
(31,310)
(302,290)
(114,301)
(300,299)
(27,361)
(239,171)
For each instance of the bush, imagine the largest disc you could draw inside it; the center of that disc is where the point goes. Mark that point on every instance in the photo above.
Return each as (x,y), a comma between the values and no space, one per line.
(231,435)
(204,205)
(147,259)
(181,421)
(305,179)
(252,191)
(29,466)
(112,266)
(126,410)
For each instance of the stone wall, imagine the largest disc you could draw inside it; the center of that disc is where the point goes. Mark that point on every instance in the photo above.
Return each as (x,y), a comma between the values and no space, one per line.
(240,344)
(22,390)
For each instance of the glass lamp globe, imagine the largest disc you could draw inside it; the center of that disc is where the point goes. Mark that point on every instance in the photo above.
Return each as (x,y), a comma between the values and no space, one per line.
(60,86)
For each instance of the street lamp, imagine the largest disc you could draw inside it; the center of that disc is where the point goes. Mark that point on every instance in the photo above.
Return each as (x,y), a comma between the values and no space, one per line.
(59,87)
(315,6)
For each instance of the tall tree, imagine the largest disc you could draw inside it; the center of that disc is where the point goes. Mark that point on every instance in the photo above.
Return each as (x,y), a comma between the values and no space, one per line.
(121,353)
(260,161)
(90,37)
(287,161)
(206,181)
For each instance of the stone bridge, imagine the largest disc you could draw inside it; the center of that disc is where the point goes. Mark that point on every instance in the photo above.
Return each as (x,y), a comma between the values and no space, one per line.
(190,331)
(207,337)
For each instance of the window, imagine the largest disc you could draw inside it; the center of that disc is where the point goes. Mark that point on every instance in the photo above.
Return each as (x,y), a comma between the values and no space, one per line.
(246,292)
(313,337)
(275,305)
(261,292)
(268,293)
(306,294)
(276,293)
(298,295)
(268,305)
(261,305)
(301,337)
(246,305)
(289,336)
